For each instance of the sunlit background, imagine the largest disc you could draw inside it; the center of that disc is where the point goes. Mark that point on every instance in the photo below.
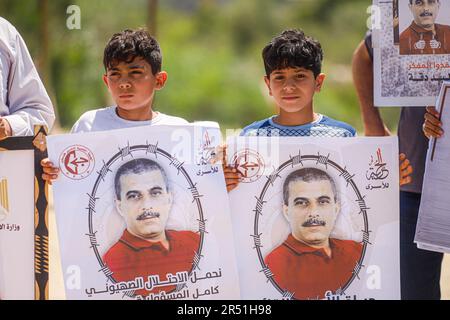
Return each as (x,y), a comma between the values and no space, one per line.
(211,50)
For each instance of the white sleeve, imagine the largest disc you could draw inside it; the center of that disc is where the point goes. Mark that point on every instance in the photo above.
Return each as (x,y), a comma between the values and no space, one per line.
(84,123)
(28,101)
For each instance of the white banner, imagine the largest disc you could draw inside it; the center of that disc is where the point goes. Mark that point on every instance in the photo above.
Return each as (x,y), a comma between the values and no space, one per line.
(433,223)
(17,225)
(142,214)
(316,218)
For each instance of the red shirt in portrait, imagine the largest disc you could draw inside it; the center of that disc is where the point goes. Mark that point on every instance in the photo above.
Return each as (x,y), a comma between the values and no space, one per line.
(409,40)
(309,273)
(132,257)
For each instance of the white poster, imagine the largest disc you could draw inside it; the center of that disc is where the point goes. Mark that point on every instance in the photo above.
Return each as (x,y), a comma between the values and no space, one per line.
(411,51)
(143,214)
(433,223)
(17,225)
(316,218)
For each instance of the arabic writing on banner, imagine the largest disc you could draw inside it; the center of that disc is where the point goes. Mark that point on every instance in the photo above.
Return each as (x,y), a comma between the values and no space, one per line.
(138,215)
(316,218)
(423,68)
(180,279)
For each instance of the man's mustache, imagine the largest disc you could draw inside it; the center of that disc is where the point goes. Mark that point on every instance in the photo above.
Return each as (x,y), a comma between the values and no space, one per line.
(314,222)
(148,214)
(426,14)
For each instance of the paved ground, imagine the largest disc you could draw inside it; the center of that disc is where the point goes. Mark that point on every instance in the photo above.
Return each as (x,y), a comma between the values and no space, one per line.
(56,279)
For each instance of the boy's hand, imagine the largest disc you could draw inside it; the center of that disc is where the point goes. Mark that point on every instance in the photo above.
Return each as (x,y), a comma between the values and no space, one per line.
(232,176)
(432,127)
(405,170)
(51,173)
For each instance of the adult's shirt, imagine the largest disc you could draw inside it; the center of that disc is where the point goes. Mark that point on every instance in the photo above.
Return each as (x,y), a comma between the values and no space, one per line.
(132,257)
(24,102)
(308,272)
(412,141)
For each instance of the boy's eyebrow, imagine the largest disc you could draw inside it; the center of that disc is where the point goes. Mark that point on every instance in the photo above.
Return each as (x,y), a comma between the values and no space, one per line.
(133,67)
(297,69)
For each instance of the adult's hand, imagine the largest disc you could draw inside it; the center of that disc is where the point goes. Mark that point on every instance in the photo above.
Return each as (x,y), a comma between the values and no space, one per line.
(5,129)
(432,127)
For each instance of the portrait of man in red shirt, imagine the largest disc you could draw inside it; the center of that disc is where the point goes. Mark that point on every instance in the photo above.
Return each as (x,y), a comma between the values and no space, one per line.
(309,262)
(146,248)
(424,36)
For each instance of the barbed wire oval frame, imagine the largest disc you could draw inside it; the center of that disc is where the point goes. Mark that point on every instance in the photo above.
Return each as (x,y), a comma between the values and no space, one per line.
(299,160)
(128,152)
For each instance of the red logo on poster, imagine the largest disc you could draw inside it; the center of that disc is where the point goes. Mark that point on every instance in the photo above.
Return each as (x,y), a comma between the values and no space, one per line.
(77,162)
(250,164)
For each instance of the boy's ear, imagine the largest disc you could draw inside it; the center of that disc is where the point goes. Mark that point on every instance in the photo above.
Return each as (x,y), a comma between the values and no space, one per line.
(267,81)
(105,80)
(319,81)
(161,78)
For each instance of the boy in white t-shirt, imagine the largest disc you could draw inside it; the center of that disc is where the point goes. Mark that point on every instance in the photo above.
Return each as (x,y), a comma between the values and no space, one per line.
(132,60)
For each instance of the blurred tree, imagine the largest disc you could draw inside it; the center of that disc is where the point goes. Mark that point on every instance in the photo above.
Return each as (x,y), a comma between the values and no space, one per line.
(43,59)
(152,21)
(211,49)
(43,64)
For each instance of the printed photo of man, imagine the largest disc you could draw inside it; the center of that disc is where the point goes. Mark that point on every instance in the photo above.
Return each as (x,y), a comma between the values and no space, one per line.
(309,263)
(424,35)
(144,200)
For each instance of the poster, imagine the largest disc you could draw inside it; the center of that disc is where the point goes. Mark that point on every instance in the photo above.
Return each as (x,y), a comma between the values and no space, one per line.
(23,219)
(433,223)
(411,51)
(316,218)
(143,214)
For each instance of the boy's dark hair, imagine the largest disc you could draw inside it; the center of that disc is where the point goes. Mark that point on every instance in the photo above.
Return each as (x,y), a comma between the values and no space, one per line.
(291,49)
(125,46)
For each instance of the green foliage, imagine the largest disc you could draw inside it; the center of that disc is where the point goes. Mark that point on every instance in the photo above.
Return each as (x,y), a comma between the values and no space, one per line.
(211,48)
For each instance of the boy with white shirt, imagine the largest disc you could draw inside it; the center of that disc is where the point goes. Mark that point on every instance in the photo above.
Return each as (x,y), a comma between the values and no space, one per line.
(132,61)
